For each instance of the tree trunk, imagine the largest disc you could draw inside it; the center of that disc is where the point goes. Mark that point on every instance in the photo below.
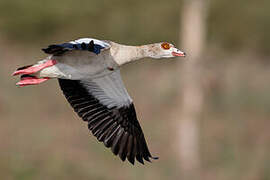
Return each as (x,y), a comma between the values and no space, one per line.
(192,36)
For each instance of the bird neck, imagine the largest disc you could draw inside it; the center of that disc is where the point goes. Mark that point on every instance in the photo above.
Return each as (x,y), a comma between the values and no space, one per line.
(124,54)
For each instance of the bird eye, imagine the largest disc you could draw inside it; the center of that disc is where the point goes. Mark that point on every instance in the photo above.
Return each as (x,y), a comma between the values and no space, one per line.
(165,45)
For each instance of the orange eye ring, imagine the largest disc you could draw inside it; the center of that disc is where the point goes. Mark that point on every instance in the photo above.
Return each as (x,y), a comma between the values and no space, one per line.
(165,45)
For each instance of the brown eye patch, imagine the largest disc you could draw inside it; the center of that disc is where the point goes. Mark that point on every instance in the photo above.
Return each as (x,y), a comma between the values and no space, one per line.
(165,45)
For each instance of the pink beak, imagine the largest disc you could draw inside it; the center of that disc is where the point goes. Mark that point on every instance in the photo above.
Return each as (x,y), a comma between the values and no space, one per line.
(181,54)
(176,52)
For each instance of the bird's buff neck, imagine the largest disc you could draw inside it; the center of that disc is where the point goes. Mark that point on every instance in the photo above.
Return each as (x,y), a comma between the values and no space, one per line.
(124,54)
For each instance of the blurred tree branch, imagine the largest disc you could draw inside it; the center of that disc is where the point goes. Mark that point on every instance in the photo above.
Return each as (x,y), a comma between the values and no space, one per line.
(193,32)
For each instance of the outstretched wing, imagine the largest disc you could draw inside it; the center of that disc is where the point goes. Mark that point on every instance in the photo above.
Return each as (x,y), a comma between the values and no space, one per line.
(105,104)
(84,44)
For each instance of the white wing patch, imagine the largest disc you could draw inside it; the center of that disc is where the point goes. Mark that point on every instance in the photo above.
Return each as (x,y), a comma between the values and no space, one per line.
(109,90)
(88,40)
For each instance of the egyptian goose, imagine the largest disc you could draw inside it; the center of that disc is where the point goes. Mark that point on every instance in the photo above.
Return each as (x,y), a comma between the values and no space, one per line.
(88,73)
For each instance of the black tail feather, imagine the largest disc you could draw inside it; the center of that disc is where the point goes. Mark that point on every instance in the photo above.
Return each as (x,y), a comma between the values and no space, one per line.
(26,75)
(24,67)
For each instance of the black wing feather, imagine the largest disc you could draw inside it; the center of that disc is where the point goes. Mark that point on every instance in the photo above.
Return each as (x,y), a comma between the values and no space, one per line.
(117,128)
(60,49)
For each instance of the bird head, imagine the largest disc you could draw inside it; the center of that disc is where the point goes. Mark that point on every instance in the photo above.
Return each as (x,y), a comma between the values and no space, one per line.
(164,50)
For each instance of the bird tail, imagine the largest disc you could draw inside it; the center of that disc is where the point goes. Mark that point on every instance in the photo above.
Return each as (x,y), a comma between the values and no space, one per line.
(31,69)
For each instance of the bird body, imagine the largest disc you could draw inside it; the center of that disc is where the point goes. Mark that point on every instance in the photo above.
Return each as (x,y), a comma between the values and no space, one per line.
(88,73)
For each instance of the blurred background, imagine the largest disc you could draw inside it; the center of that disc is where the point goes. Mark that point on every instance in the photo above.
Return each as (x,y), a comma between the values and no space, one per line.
(206,116)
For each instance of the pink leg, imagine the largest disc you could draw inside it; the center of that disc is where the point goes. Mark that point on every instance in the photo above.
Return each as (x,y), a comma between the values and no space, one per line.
(31,81)
(36,68)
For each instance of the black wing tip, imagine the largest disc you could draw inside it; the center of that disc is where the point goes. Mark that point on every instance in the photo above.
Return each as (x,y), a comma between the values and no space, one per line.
(140,160)
(131,160)
(125,141)
(123,158)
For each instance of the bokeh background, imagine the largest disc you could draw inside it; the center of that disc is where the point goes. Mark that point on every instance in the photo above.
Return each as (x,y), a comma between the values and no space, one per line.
(42,138)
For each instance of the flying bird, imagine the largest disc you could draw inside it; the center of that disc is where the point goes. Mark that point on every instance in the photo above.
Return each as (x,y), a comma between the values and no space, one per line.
(88,73)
